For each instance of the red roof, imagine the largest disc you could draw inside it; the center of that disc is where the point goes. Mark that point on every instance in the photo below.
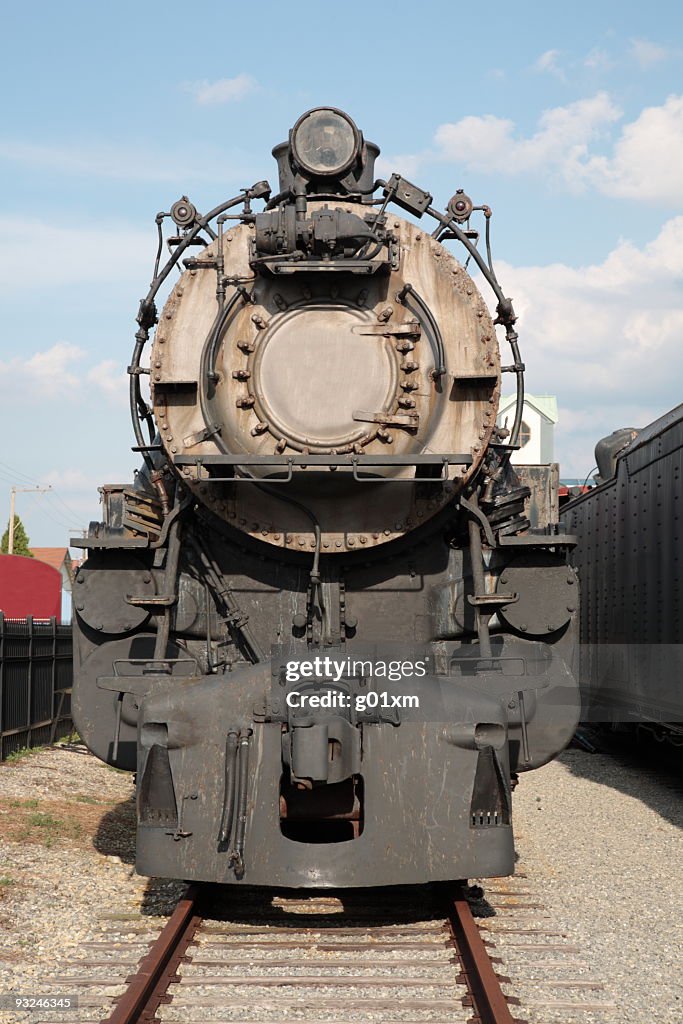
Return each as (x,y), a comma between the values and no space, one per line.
(53,556)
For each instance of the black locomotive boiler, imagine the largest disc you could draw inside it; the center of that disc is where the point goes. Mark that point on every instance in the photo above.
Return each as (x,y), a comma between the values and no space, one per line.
(324,484)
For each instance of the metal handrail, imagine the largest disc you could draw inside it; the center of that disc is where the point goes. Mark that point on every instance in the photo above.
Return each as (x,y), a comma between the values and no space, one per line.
(357,463)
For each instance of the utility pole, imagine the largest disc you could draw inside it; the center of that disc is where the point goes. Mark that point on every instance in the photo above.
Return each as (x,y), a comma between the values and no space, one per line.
(12,494)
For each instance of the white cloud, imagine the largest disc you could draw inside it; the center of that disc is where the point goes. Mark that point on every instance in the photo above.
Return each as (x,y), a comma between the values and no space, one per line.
(57,373)
(407,164)
(606,338)
(70,430)
(647,54)
(224,90)
(92,158)
(643,163)
(81,160)
(598,60)
(111,378)
(73,478)
(72,254)
(647,158)
(477,142)
(52,370)
(51,373)
(548,63)
(560,143)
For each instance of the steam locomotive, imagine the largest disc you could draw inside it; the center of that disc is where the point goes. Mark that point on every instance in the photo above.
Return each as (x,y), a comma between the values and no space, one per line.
(318,625)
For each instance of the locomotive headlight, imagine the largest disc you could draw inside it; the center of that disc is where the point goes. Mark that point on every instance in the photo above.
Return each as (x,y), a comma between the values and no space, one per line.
(325,142)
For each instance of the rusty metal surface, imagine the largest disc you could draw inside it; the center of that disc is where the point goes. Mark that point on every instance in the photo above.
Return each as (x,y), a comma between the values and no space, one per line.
(542,506)
(489,1004)
(300,370)
(155,973)
(323,473)
(439,951)
(160,979)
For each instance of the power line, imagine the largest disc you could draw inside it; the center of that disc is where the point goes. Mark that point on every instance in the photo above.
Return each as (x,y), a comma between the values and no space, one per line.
(49,512)
(11,477)
(18,473)
(55,514)
(53,492)
(12,496)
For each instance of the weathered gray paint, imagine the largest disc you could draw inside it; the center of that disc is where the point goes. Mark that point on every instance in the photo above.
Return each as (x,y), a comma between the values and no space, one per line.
(203,569)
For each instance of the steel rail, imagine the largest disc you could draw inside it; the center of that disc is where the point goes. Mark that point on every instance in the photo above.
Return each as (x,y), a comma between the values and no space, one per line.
(489,1004)
(157,970)
(148,987)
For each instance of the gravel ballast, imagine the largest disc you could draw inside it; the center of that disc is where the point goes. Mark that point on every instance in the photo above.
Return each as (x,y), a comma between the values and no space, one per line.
(67,834)
(599,846)
(599,837)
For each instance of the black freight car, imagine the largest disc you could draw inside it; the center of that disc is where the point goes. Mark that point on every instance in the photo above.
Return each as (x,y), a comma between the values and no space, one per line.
(629,553)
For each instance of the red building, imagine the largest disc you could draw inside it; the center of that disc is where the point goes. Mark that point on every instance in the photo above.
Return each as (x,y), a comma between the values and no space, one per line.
(29,586)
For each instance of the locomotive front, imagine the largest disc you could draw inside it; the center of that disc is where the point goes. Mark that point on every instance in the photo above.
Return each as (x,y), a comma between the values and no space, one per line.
(318,625)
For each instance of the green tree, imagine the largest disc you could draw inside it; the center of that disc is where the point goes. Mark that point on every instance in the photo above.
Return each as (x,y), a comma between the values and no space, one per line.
(21,541)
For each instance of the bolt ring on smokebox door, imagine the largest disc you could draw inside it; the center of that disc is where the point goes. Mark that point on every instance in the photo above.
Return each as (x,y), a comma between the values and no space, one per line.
(251,412)
(306,405)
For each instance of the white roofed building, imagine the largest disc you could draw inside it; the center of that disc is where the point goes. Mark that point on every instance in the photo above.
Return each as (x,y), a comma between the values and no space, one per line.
(536,436)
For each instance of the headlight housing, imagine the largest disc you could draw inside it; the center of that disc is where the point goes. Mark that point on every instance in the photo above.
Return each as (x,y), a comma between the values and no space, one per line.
(325,143)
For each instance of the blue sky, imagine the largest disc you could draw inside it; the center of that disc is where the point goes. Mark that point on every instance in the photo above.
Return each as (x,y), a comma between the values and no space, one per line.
(566,119)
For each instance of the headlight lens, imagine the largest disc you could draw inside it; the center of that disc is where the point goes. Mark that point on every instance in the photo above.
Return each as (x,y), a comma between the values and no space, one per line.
(325,142)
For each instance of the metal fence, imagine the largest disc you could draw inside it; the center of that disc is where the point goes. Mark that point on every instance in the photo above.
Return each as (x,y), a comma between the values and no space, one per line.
(36,673)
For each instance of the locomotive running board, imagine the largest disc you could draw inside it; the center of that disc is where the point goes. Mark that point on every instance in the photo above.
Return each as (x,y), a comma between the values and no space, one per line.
(456,459)
(358,463)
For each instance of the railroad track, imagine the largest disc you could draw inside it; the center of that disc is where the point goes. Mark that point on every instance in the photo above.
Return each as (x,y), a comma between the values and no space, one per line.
(314,958)
(412,955)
